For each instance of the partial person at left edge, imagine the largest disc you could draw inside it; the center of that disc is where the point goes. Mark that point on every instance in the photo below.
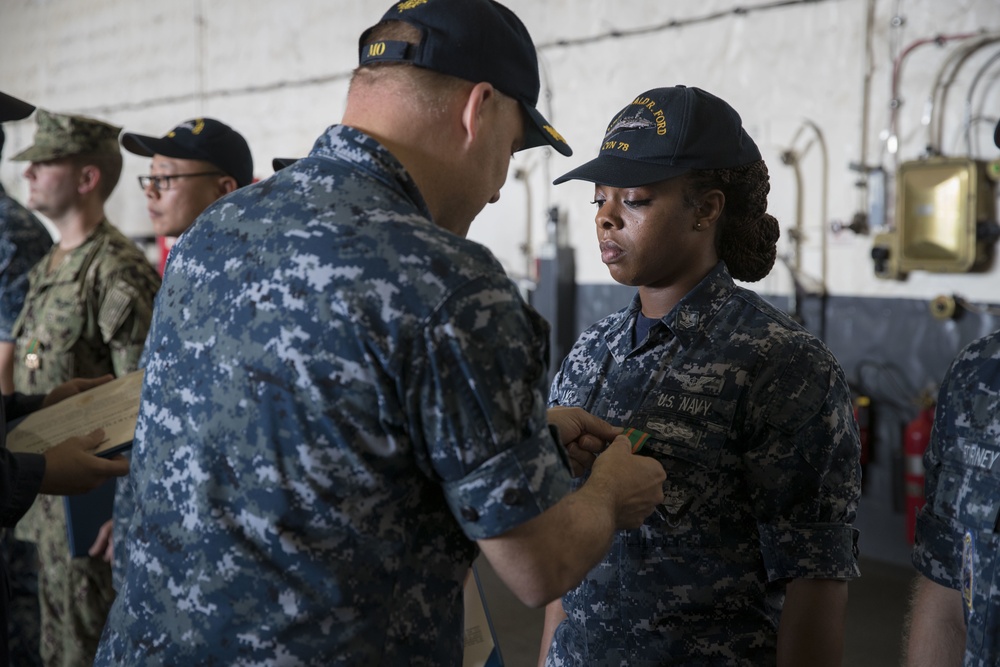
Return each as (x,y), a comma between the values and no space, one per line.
(23,241)
(67,468)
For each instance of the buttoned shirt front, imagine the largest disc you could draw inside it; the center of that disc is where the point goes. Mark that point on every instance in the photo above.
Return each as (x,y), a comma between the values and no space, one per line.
(751,417)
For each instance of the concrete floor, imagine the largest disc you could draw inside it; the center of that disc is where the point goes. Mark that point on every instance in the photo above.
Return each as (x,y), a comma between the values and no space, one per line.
(875,610)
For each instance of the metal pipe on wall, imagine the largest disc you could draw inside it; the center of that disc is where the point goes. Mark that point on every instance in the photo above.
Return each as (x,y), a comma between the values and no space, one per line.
(969,96)
(951,66)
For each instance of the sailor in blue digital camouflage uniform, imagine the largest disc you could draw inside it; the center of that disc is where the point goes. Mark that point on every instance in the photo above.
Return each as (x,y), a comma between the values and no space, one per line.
(955,609)
(747,560)
(23,241)
(344,398)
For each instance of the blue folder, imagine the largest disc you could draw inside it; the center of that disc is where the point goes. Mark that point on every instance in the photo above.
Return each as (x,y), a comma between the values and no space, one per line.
(85,514)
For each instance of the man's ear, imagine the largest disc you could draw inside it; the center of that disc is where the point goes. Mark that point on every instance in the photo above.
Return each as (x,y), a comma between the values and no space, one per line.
(88,178)
(476,102)
(226,185)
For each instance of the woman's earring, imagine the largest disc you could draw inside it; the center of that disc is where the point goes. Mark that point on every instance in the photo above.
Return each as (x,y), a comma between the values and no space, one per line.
(697,226)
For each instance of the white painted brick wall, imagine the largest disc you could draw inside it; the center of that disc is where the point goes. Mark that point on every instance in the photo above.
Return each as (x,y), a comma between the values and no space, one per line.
(278,72)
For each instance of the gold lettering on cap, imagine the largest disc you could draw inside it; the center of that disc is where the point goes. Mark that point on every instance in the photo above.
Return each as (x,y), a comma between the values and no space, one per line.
(410,4)
(199,125)
(645,102)
(615,146)
(661,122)
(376,49)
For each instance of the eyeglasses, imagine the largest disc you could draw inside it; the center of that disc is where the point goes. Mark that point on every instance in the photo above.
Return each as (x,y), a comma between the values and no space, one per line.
(162,183)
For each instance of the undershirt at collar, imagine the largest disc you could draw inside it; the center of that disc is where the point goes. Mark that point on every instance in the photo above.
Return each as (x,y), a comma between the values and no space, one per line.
(642,326)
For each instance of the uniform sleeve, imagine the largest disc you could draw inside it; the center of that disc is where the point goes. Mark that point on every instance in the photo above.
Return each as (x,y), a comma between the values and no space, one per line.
(804,468)
(477,401)
(21,475)
(937,548)
(125,313)
(13,287)
(937,543)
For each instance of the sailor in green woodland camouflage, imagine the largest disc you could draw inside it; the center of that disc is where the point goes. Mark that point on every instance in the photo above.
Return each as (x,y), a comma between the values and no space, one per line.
(86,314)
(748,412)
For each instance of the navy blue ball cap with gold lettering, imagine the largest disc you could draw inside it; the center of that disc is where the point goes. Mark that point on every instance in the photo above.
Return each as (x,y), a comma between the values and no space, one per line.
(664,133)
(12,108)
(204,139)
(475,40)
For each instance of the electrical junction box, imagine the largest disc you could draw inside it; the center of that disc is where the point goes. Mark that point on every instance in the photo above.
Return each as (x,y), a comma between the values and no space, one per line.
(945,218)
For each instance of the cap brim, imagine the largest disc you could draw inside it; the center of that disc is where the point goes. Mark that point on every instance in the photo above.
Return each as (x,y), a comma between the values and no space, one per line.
(280,163)
(620,173)
(540,132)
(150,146)
(36,153)
(12,108)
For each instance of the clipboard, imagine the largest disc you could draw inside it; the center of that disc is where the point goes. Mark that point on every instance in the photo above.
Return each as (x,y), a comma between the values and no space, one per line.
(113,406)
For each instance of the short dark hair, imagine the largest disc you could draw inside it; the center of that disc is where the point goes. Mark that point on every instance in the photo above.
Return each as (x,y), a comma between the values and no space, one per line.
(432,87)
(110,166)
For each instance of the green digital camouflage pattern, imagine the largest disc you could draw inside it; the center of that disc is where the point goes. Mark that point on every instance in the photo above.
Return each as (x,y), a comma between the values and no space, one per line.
(958,530)
(61,135)
(339,397)
(751,417)
(87,318)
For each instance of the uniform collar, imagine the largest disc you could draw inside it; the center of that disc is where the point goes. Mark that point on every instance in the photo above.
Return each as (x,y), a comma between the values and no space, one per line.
(688,320)
(76,259)
(342,143)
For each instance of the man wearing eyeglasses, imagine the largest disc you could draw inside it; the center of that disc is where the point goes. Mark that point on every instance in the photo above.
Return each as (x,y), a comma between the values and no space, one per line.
(86,315)
(193,165)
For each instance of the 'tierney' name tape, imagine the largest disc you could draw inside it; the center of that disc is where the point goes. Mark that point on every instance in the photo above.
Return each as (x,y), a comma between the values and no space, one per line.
(637,438)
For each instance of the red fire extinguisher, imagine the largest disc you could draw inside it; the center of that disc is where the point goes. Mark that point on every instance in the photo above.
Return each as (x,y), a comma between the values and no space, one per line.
(916,437)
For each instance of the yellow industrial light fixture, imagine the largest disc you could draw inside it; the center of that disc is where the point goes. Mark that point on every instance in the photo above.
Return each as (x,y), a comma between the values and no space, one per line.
(946,218)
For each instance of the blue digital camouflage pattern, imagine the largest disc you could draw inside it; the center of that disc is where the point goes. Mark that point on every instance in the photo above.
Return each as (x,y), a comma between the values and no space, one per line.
(23,241)
(751,417)
(339,396)
(957,539)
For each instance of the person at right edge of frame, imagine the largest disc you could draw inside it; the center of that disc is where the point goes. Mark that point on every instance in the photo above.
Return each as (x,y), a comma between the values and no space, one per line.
(748,560)
(954,614)
(344,398)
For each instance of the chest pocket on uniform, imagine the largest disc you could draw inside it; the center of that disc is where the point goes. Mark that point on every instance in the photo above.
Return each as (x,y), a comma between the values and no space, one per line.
(969,495)
(51,328)
(687,434)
